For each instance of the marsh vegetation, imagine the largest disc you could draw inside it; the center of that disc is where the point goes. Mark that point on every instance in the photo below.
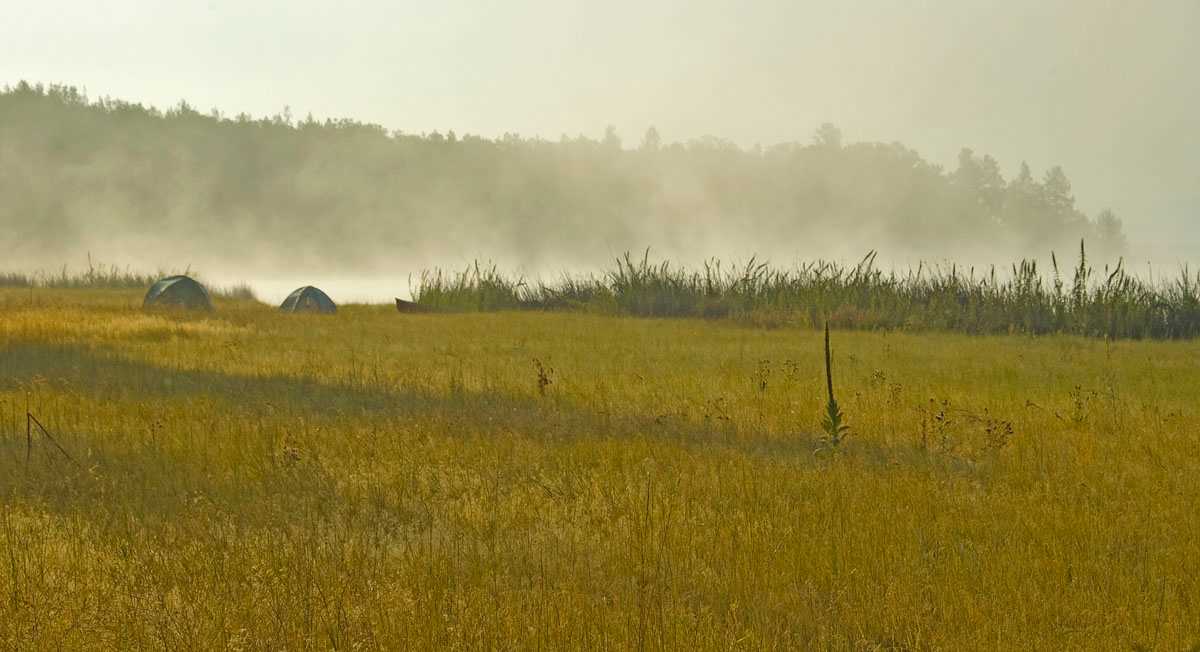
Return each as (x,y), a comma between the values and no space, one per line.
(1110,302)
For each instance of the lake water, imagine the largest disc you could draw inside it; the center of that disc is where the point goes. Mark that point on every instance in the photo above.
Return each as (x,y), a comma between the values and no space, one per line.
(341,290)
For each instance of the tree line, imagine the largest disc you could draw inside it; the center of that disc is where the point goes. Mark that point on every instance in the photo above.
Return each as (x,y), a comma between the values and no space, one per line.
(77,171)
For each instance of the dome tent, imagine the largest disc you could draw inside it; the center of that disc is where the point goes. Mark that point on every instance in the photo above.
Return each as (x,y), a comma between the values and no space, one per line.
(179,291)
(308,299)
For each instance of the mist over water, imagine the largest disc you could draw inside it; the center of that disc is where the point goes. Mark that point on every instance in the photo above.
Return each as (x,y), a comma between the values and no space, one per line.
(277,202)
(341,290)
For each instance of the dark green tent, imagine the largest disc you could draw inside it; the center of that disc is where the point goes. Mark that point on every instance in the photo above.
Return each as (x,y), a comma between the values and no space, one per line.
(178,291)
(308,299)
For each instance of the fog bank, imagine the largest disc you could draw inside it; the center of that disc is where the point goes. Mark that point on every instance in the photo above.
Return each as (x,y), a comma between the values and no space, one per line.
(281,198)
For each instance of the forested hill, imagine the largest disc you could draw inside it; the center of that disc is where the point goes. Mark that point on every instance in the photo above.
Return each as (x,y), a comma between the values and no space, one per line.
(110,176)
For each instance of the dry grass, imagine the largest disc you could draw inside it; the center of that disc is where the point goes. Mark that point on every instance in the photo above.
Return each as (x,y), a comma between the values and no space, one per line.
(252,480)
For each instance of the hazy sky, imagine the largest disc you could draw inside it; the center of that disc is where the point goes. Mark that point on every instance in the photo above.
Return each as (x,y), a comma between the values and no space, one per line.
(1109,90)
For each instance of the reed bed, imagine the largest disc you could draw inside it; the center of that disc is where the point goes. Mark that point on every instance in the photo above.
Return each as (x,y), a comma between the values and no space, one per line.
(109,277)
(1028,299)
(96,276)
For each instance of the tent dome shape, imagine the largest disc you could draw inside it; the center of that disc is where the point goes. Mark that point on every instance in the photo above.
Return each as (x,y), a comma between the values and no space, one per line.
(308,299)
(179,291)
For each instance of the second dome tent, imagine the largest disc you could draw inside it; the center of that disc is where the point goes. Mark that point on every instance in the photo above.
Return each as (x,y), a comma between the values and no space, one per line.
(308,299)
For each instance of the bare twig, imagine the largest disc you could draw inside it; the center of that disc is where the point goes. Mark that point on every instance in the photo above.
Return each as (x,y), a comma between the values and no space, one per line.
(30,421)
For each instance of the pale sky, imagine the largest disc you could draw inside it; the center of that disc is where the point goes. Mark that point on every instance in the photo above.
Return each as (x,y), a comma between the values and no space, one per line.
(1108,90)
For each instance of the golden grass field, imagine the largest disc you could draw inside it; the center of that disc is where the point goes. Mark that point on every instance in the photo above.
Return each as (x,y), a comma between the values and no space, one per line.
(371,480)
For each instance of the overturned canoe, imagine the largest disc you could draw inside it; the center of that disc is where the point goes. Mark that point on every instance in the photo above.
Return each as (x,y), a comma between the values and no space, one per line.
(408,306)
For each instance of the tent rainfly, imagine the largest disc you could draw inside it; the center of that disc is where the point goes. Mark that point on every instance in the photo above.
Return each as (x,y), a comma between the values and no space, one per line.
(178,291)
(308,299)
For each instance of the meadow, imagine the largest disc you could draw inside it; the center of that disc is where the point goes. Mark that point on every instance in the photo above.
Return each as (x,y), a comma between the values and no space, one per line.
(245,479)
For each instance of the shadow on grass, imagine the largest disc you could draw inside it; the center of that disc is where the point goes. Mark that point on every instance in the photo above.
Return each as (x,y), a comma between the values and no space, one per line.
(104,376)
(163,483)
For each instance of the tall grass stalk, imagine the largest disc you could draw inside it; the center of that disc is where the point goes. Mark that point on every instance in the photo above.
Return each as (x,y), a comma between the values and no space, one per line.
(834,423)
